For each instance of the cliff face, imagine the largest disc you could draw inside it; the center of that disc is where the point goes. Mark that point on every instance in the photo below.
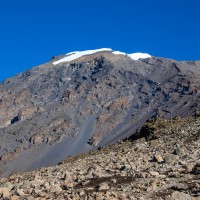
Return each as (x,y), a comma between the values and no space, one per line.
(56,110)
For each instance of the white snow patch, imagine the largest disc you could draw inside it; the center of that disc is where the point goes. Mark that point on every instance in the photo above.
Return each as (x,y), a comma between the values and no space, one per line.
(134,56)
(137,56)
(77,54)
(119,53)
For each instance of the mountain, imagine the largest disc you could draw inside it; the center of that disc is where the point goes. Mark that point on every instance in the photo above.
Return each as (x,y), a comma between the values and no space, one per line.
(81,101)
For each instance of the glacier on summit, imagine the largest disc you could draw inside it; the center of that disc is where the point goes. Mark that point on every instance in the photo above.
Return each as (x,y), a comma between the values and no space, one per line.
(77,54)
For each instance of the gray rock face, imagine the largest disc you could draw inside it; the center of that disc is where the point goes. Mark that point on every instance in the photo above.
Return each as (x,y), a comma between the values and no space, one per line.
(53,111)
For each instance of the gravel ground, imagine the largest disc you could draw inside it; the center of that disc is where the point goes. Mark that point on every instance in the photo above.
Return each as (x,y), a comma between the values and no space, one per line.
(162,161)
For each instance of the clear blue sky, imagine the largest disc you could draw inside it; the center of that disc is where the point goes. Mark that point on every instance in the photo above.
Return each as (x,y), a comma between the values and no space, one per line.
(32,31)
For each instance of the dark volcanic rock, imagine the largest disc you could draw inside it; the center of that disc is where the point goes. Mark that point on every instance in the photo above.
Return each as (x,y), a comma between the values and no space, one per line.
(53,111)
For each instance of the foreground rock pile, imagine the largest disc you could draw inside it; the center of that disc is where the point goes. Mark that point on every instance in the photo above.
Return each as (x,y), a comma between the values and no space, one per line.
(162,161)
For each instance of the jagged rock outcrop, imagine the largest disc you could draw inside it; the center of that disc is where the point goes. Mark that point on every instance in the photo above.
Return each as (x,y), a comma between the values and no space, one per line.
(56,110)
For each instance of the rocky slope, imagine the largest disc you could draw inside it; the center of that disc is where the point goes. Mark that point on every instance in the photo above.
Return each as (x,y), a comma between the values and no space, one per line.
(162,161)
(65,108)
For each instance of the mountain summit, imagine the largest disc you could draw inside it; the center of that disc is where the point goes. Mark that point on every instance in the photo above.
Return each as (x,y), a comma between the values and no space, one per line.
(83,100)
(77,54)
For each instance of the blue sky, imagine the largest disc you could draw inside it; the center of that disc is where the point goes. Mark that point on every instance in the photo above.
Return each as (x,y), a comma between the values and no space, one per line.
(31,32)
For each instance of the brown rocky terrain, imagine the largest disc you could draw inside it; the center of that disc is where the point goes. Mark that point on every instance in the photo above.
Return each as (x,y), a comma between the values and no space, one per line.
(57,110)
(161,161)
